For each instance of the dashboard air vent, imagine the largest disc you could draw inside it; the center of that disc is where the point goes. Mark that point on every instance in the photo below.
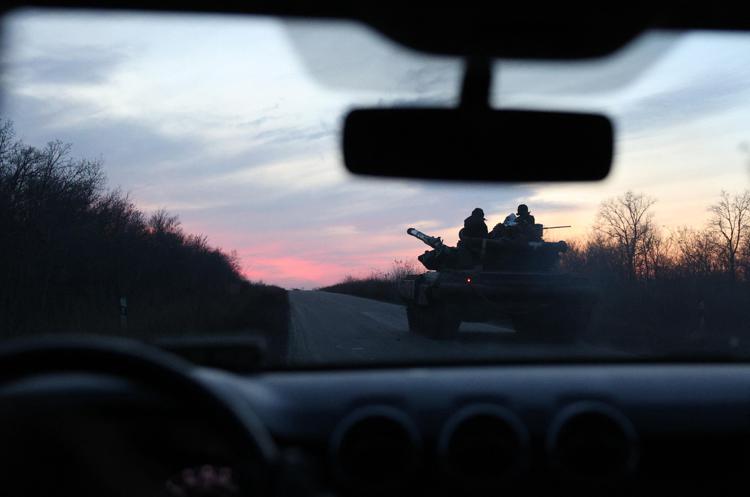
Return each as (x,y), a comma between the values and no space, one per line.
(376,448)
(483,445)
(591,440)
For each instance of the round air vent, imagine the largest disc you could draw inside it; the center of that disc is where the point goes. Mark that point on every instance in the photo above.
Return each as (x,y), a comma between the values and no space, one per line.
(590,440)
(483,445)
(376,449)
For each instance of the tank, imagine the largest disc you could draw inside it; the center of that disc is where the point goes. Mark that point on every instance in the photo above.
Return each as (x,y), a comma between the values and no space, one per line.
(513,277)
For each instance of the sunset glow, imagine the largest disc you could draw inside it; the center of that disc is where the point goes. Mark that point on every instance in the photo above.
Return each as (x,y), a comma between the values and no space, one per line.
(234,125)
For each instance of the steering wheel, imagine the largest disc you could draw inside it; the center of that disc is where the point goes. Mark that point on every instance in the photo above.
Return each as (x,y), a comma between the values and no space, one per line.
(41,378)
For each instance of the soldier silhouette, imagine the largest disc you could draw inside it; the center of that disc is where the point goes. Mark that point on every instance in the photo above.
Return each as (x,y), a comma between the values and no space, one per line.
(474,225)
(523,216)
(527,228)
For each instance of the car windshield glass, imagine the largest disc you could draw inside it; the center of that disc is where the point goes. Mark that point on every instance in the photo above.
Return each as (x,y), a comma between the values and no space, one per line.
(179,177)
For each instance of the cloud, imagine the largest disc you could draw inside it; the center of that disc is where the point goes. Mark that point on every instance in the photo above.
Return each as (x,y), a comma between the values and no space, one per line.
(42,119)
(279,179)
(68,65)
(135,153)
(267,114)
(258,121)
(339,231)
(177,168)
(422,224)
(560,204)
(297,135)
(696,98)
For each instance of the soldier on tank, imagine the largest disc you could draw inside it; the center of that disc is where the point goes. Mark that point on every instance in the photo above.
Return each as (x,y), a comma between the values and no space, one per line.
(474,225)
(474,229)
(527,224)
(523,216)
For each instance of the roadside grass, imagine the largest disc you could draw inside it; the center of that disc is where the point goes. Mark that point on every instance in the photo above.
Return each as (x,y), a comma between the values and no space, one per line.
(247,309)
(253,307)
(379,285)
(255,310)
(371,287)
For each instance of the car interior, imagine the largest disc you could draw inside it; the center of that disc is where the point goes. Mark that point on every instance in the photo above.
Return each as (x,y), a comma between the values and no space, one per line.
(102,415)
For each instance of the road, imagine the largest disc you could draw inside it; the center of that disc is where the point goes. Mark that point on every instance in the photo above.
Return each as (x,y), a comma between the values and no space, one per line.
(329,328)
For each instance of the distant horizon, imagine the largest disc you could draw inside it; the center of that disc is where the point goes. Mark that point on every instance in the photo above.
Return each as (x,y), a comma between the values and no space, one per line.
(233,124)
(582,235)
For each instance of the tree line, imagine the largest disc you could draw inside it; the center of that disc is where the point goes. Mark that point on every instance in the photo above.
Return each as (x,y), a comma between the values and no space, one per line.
(72,248)
(627,243)
(668,284)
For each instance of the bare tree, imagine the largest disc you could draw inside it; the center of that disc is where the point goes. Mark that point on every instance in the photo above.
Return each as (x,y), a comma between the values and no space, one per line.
(698,251)
(626,222)
(730,220)
(162,221)
(745,258)
(656,254)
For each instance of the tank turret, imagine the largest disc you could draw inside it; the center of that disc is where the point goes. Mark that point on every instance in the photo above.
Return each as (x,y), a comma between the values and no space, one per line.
(510,252)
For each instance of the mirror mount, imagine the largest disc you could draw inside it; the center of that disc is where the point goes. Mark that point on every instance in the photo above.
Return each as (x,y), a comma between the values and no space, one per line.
(476,85)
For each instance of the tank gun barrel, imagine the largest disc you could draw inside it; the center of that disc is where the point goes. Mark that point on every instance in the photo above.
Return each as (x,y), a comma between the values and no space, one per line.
(556,227)
(432,241)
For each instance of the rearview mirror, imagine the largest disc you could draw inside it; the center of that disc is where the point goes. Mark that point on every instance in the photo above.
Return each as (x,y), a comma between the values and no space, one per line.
(481,145)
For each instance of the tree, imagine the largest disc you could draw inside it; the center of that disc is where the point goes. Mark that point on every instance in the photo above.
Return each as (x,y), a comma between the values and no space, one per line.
(626,223)
(730,220)
(697,251)
(71,248)
(745,258)
(656,254)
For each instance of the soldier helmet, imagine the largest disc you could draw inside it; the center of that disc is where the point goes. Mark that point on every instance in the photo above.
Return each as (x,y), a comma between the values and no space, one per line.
(478,212)
(523,209)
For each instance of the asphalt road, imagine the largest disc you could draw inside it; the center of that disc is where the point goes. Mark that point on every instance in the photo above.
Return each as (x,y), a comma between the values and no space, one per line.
(329,328)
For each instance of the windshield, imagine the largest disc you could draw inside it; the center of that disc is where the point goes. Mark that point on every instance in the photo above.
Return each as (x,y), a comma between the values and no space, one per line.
(172,176)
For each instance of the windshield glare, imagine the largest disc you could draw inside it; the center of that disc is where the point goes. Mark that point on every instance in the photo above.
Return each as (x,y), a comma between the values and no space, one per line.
(172,176)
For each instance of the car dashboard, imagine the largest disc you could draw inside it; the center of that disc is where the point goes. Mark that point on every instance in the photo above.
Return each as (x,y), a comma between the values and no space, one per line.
(116,417)
(528,430)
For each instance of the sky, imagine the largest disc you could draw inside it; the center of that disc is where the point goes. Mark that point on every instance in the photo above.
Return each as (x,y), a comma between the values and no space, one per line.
(234,124)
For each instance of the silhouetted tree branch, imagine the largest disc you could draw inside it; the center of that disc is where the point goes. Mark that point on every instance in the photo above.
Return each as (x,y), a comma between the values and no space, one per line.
(626,224)
(730,220)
